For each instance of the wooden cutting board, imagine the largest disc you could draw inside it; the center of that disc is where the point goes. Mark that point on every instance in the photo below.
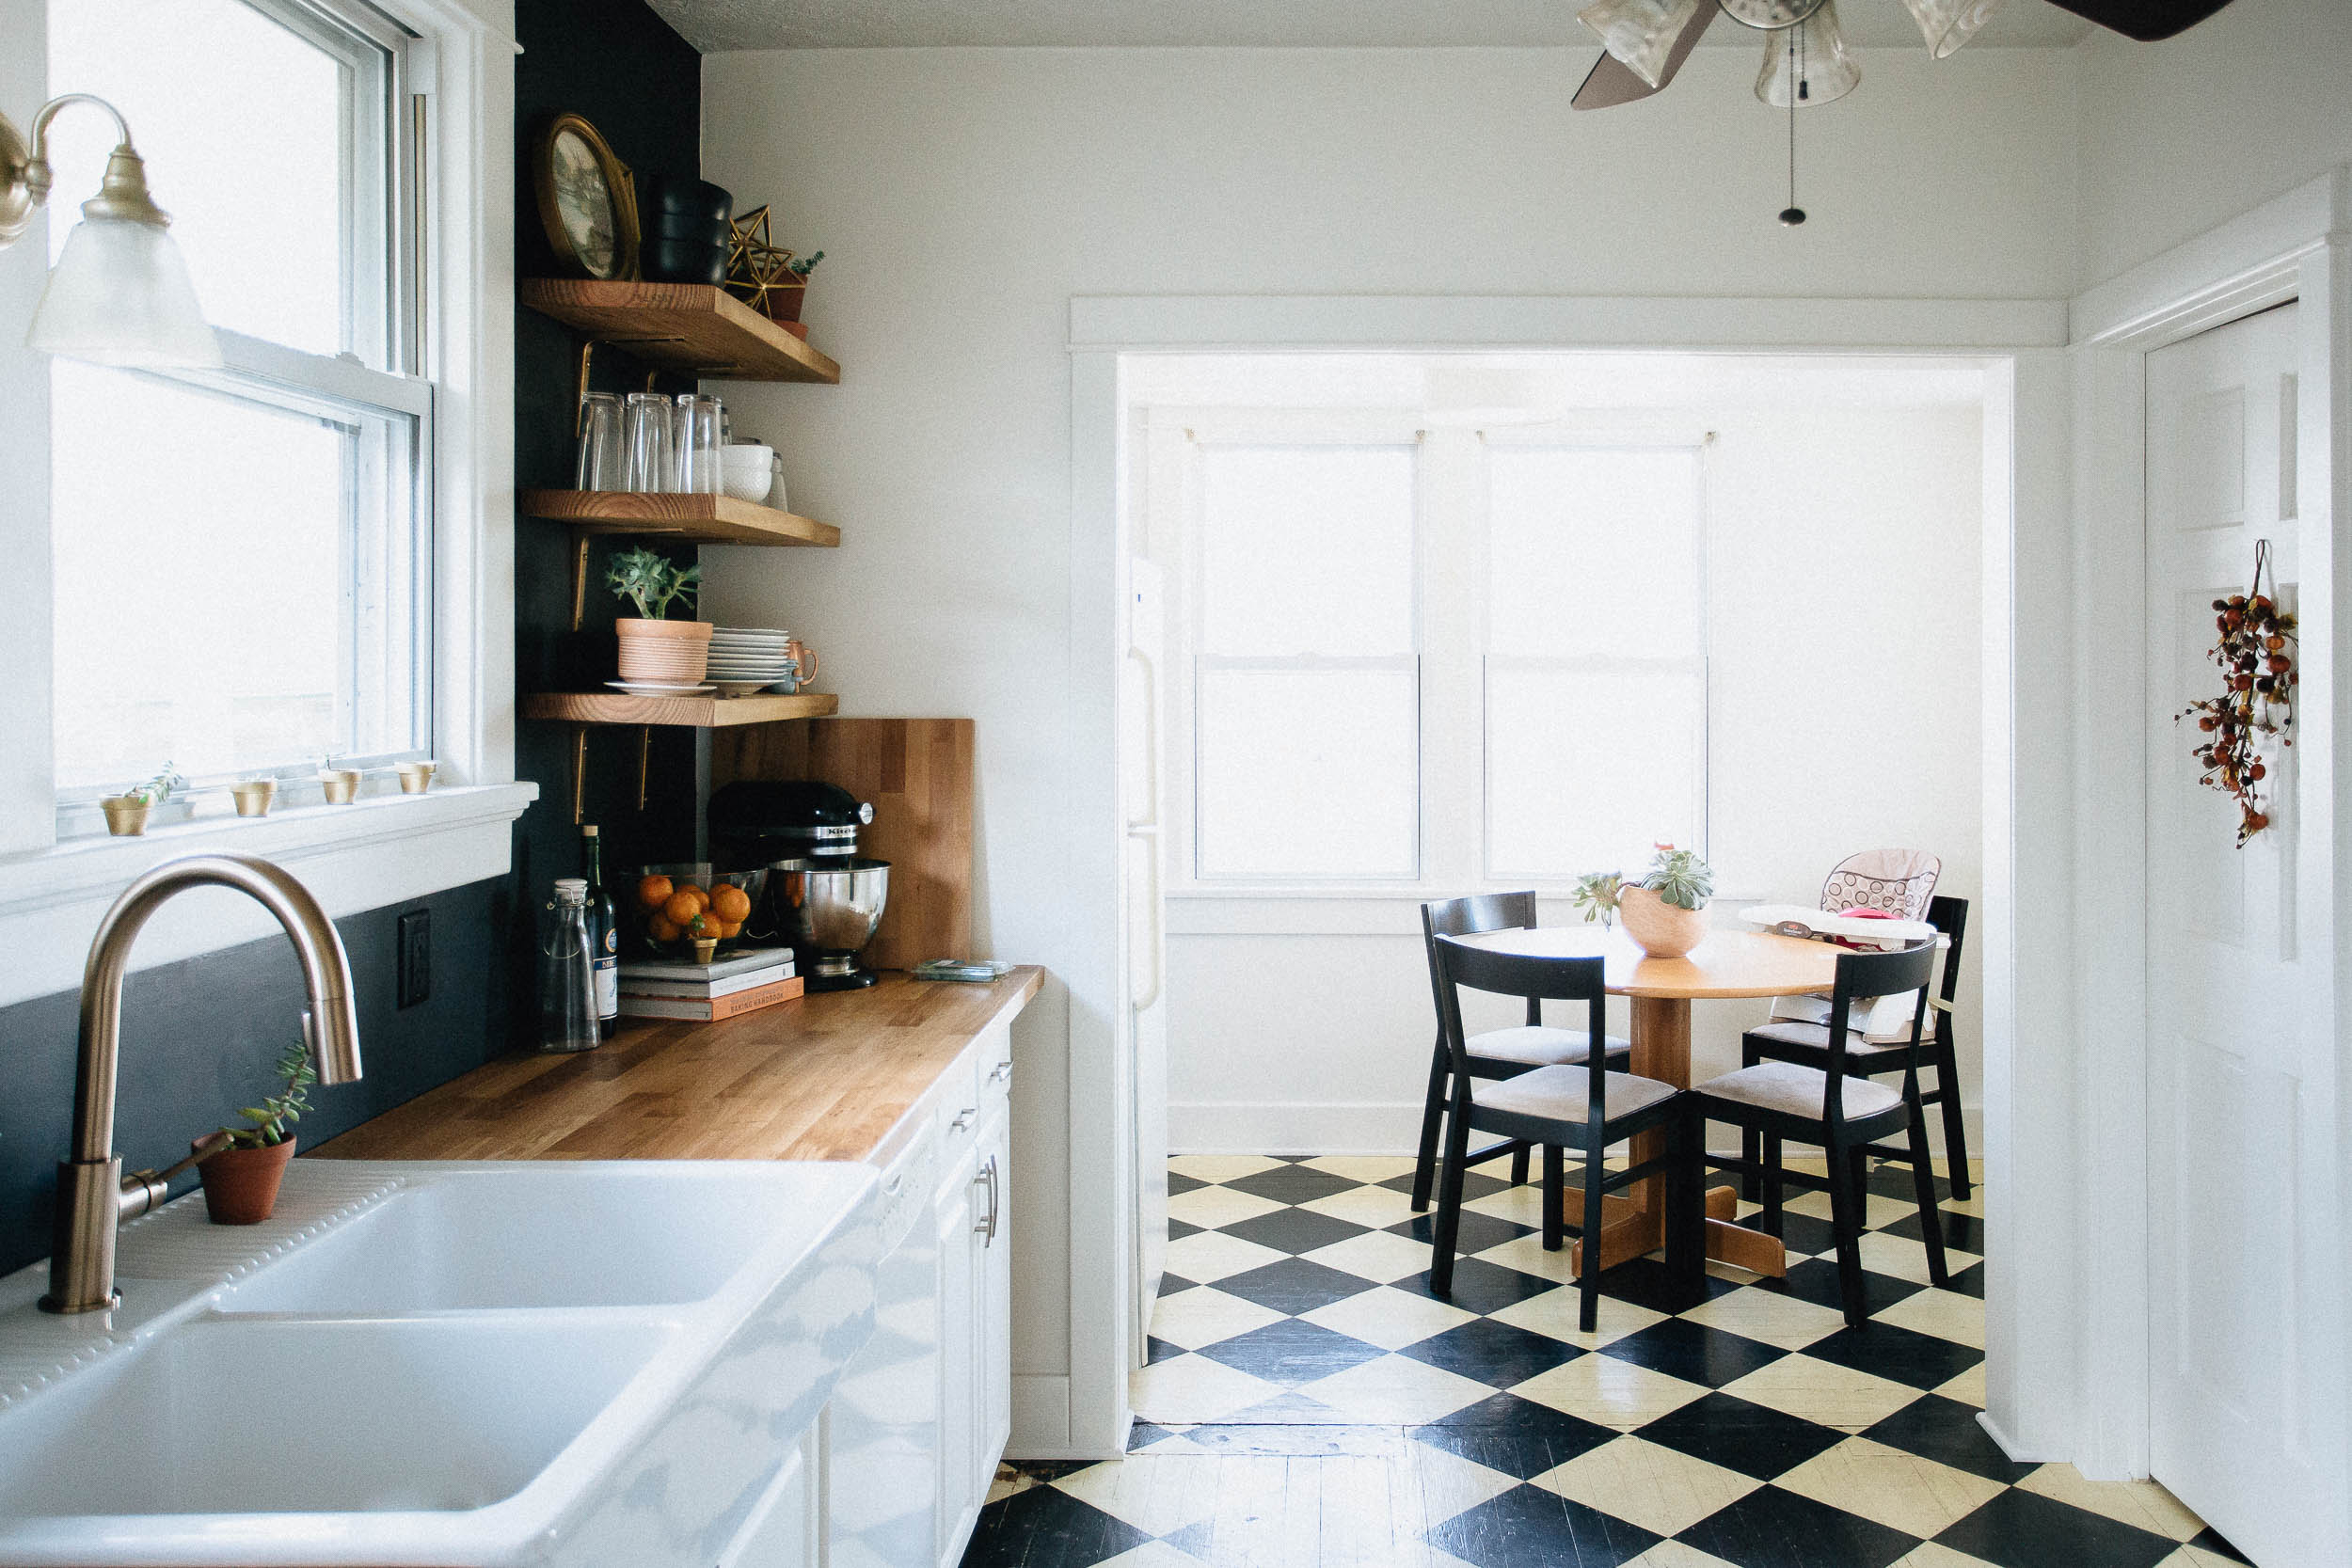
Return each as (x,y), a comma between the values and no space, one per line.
(917,772)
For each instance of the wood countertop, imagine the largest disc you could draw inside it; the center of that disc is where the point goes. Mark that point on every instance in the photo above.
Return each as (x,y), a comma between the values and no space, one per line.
(824,1077)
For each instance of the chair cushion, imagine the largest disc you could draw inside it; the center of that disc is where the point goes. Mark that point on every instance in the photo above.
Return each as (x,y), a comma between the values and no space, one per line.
(1557,1093)
(1538,1045)
(1789,1032)
(1794,1091)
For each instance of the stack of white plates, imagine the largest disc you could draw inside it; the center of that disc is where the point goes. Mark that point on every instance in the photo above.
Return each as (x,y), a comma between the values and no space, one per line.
(745,658)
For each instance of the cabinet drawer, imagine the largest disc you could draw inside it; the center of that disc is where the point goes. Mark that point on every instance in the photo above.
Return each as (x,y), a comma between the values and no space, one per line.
(961,1109)
(993,1061)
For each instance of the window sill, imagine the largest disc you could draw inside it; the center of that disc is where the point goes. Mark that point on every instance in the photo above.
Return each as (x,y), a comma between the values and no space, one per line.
(377,850)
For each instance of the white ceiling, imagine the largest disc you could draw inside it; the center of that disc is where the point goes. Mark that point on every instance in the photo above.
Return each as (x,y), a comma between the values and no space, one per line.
(714,25)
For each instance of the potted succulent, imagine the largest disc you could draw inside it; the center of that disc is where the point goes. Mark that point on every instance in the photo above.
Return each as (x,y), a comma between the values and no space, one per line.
(241,1178)
(1664,912)
(126,813)
(1597,896)
(654,649)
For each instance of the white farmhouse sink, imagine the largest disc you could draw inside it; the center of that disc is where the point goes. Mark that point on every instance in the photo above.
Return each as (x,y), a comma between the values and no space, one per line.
(543,1235)
(439,1364)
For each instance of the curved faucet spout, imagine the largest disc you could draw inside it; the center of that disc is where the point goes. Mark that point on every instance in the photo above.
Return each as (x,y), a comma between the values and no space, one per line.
(92,1196)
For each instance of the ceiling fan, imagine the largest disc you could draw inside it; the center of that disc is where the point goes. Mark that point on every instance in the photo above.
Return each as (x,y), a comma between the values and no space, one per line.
(1806,61)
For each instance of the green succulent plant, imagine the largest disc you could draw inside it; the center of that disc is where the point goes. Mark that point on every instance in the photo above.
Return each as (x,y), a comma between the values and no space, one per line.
(269,1122)
(650,580)
(1680,877)
(1597,896)
(155,791)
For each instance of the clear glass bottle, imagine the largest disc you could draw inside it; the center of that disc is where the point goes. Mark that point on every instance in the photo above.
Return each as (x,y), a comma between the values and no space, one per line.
(568,972)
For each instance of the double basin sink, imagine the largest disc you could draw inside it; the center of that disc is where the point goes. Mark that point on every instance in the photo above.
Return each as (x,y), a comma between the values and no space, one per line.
(435,1363)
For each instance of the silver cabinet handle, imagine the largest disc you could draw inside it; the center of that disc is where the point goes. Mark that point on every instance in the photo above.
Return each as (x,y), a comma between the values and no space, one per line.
(1001,1073)
(964,1119)
(987,1226)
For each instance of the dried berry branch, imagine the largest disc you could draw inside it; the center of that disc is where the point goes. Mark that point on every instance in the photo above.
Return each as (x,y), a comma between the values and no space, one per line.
(2255,652)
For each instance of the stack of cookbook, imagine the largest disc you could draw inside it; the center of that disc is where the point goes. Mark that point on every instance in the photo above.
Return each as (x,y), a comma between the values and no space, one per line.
(743,982)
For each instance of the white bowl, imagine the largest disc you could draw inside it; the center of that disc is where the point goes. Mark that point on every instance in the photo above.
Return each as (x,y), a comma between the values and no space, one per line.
(747,473)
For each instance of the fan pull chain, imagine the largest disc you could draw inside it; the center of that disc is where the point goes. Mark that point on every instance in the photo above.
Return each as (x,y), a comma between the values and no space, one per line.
(1794,214)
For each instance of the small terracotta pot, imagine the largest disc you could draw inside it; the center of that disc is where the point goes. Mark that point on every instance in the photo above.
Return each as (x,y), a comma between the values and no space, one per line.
(240,1184)
(1660,929)
(672,652)
(415,777)
(341,785)
(254,796)
(125,817)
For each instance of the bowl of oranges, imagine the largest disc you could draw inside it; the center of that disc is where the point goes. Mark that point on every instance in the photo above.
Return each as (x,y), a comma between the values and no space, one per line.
(678,906)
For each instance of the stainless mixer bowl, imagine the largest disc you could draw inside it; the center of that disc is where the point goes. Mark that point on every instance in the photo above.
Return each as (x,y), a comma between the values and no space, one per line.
(830,905)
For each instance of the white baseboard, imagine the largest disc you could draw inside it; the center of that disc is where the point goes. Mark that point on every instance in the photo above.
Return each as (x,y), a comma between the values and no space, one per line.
(2018,1454)
(1291,1128)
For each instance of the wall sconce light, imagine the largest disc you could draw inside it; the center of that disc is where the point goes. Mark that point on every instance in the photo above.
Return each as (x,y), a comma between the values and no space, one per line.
(119,293)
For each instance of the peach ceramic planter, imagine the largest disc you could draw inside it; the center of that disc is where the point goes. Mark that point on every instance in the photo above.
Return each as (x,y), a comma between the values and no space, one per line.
(1660,929)
(673,652)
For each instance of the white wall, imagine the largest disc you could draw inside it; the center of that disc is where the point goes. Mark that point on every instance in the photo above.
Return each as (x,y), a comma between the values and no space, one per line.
(2178,136)
(964,197)
(1852,528)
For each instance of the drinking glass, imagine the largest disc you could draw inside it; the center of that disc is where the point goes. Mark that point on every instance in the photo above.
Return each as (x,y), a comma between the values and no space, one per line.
(650,466)
(603,452)
(700,420)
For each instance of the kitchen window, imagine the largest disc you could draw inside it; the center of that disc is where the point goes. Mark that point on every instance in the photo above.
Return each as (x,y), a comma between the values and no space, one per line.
(243,559)
(1429,657)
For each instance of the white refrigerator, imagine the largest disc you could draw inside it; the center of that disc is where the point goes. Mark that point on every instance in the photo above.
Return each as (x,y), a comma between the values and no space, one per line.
(1141,763)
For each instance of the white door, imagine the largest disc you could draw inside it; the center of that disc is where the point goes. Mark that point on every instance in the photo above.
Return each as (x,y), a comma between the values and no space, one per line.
(1147,938)
(2241,1142)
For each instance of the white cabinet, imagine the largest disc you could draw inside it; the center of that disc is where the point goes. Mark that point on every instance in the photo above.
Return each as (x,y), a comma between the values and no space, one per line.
(785,1526)
(932,1392)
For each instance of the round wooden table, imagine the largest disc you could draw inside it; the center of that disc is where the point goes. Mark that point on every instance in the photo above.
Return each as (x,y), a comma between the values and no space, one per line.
(1727,964)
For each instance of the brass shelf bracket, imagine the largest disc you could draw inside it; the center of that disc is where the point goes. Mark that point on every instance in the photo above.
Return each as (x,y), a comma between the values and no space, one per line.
(579,581)
(579,773)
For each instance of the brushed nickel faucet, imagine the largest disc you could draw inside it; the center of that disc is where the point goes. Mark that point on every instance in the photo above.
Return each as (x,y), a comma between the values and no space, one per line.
(93,1194)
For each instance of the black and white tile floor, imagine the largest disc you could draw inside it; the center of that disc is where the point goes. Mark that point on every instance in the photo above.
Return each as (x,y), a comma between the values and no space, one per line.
(1310,1404)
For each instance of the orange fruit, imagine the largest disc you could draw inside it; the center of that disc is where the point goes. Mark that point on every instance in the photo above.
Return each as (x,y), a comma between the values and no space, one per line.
(661,928)
(654,891)
(730,903)
(701,895)
(683,905)
(728,927)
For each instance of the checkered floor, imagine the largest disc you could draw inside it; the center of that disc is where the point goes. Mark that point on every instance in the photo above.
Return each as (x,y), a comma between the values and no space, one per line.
(1310,1404)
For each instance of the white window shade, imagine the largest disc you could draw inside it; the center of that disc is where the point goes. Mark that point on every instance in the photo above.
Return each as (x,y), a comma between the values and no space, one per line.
(1308,773)
(1595,678)
(1308,551)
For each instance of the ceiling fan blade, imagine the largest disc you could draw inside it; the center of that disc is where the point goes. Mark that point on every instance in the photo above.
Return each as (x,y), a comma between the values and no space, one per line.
(1612,82)
(2145,19)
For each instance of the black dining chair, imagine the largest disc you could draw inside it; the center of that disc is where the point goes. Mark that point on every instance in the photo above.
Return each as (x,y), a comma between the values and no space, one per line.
(1841,1114)
(1495,1053)
(1791,1041)
(1585,1107)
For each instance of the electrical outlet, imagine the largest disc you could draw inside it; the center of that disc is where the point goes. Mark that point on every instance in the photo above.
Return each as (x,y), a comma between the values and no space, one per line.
(416,957)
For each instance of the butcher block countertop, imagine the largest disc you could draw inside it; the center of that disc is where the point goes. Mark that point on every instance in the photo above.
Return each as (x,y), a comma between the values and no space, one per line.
(823,1077)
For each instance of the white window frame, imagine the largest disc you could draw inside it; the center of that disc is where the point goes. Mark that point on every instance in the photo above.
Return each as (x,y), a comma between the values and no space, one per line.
(1451,532)
(388,846)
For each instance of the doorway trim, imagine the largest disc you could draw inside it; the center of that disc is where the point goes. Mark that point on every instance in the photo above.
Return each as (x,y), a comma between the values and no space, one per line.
(2290,249)
(2029,722)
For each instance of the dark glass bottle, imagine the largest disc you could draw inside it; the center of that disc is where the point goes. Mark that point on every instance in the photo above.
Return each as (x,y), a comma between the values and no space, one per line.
(604,932)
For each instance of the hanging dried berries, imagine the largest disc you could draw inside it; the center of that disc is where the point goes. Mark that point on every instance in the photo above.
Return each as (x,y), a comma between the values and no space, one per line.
(2255,654)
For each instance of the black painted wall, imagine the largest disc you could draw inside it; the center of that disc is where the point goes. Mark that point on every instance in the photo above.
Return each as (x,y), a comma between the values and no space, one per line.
(199,1037)
(619,65)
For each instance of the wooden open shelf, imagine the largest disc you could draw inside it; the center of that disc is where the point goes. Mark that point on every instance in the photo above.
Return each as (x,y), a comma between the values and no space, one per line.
(698,327)
(701,713)
(696,519)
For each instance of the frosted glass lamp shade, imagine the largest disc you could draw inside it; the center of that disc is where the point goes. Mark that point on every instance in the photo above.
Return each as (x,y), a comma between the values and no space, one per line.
(1807,64)
(1949,23)
(121,295)
(1641,34)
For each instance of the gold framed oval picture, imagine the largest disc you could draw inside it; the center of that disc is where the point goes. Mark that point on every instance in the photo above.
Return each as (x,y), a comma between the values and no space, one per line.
(587,200)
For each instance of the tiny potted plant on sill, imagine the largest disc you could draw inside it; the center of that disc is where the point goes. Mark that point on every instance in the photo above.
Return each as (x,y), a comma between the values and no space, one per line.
(241,1177)
(126,813)
(340,785)
(1665,910)
(655,650)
